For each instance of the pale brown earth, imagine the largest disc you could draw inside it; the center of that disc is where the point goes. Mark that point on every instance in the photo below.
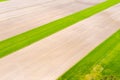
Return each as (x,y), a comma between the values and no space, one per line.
(51,57)
(91,1)
(15,20)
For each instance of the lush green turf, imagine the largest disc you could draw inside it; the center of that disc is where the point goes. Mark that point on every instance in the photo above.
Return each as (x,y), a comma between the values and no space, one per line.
(22,40)
(103,63)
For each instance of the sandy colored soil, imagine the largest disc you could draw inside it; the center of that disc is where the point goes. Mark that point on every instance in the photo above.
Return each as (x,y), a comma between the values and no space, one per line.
(91,1)
(51,57)
(26,17)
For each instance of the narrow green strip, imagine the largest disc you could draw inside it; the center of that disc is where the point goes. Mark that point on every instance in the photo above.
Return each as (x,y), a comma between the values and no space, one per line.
(22,40)
(103,63)
(2,0)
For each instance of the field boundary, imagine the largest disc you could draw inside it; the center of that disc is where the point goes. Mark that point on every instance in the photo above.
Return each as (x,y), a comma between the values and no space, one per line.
(20,41)
(95,64)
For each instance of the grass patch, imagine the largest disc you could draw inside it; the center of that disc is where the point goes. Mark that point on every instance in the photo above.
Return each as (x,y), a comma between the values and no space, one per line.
(22,40)
(102,63)
(2,0)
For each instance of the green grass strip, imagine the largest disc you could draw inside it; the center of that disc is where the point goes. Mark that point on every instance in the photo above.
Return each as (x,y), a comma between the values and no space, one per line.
(22,40)
(103,63)
(2,0)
